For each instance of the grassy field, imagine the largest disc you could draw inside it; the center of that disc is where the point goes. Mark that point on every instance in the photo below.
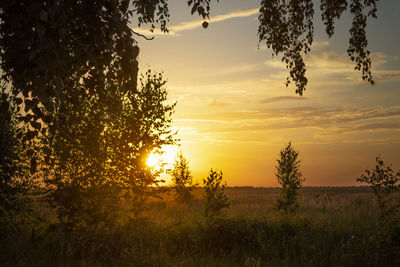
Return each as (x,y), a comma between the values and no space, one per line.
(335,226)
(326,205)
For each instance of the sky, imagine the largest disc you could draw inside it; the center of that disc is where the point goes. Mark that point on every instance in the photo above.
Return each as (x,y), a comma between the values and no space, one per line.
(235,114)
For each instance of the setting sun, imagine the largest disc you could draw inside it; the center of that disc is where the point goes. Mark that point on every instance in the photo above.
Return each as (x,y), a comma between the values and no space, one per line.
(163,160)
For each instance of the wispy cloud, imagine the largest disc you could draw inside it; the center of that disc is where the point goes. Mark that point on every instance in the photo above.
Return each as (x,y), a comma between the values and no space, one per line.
(282,98)
(323,63)
(216,103)
(242,68)
(194,24)
(371,127)
(339,120)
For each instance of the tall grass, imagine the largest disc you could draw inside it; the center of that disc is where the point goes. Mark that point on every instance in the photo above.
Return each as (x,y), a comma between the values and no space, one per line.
(333,227)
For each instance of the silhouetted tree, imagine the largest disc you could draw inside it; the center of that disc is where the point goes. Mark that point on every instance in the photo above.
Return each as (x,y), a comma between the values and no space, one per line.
(287,27)
(289,177)
(47,47)
(384,182)
(215,198)
(14,172)
(182,179)
(97,163)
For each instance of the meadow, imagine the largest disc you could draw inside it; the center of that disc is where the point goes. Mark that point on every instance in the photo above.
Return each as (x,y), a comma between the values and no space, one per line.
(334,226)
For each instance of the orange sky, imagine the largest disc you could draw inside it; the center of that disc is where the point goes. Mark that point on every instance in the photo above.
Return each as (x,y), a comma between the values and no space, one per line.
(235,114)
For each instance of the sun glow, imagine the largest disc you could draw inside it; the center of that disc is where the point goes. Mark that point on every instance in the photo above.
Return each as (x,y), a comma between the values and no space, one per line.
(164,160)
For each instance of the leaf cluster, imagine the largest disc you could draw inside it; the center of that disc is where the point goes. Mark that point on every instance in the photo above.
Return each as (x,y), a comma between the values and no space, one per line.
(384,181)
(182,179)
(215,198)
(14,163)
(97,155)
(290,178)
(287,27)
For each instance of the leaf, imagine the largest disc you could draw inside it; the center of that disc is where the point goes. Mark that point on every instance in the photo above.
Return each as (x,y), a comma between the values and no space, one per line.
(28,104)
(30,135)
(194,8)
(59,82)
(33,165)
(43,16)
(29,152)
(18,101)
(36,125)
(38,112)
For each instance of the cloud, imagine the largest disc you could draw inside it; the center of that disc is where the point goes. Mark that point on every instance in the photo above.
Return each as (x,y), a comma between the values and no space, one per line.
(371,127)
(281,98)
(275,63)
(322,62)
(194,24)
(336,120)
(215,103)
(242,68)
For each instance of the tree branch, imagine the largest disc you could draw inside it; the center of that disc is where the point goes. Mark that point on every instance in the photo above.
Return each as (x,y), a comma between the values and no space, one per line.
(141,35)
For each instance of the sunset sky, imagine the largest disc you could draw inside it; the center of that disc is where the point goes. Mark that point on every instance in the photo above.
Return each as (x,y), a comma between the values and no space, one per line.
(235,114)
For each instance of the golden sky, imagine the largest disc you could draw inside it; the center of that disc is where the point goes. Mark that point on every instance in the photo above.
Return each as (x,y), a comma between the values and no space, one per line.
(235,114)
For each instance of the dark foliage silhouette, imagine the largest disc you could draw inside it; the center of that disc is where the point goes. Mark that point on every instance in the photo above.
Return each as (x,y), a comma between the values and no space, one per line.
(96,174)
(289,177)
(215,198)
(182,179)
(15,179)
(384,183)
(49,47)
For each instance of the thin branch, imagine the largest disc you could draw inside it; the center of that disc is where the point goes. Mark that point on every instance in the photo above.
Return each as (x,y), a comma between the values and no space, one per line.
(141,35)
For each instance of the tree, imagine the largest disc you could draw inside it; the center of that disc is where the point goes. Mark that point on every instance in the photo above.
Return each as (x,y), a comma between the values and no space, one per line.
(182,179)
(289,177)
(97,164)
(215,198)
(49,47)
(14,172)
(140,125)
(384,182)
(287,27)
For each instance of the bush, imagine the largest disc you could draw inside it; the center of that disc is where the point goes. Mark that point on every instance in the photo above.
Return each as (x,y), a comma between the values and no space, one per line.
(215,198)
(383,181)
(182,179)
(289,177)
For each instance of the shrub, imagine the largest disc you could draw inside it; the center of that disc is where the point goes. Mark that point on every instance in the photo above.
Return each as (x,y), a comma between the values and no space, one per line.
(215,198)
(289,177)
(182,179)
(383,181)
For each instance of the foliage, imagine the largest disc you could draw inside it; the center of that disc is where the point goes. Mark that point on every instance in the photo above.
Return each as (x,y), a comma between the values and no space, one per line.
(15,179)
(289,177)
(384,182)
(182,179)
(98,153)
(49,47)
(178,235)
(140,125)
(215,198)
(287,27)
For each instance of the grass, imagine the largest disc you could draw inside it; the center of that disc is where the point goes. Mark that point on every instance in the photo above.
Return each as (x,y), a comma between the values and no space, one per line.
(334,227)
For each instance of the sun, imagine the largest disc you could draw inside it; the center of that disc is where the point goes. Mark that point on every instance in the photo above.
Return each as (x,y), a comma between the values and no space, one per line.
(163,160)
(153,160)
